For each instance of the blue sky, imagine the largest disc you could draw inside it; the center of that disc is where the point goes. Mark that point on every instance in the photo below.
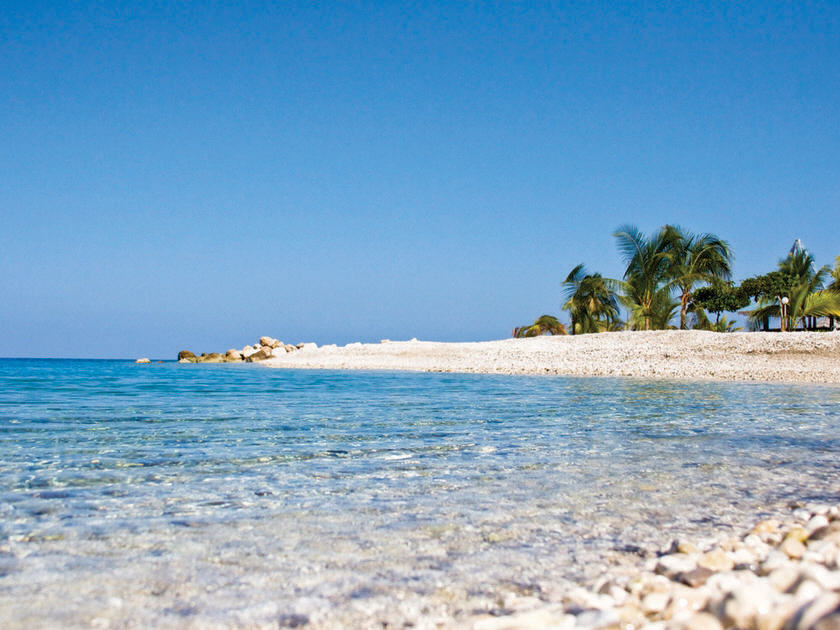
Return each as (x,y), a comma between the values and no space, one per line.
(194,175)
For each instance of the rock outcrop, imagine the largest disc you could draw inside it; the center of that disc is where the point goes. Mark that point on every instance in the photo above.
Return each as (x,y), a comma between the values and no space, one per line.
(266,348)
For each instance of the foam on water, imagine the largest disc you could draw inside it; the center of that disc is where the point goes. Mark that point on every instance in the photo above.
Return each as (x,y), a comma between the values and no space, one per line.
(174,495)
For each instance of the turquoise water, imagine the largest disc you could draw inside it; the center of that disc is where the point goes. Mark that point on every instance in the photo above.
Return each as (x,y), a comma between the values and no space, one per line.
(175,495)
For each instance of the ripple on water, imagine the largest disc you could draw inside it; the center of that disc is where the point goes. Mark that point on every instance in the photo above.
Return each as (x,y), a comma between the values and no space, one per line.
(243,494)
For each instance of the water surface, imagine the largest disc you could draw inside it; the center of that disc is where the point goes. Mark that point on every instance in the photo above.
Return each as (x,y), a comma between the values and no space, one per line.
(172,495)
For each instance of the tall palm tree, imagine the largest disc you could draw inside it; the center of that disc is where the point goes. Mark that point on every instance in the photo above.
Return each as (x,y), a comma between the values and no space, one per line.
(645,285)
(590,300)
(545,325)
(694,258)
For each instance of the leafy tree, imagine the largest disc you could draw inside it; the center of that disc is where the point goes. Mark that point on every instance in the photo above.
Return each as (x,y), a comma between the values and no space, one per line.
(720,296)
(645,287)
(591,302)
(694,258)
(545,325)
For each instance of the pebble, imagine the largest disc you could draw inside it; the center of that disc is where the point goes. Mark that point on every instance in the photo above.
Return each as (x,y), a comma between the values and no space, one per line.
(715,560)
(776,577)
(812,612)
(793,548)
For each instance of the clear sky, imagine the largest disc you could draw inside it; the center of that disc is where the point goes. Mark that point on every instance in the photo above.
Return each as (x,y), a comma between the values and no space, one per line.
(194,175)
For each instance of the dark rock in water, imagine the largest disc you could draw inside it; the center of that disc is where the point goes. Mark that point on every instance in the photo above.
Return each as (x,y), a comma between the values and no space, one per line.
(185,354)
(213,357)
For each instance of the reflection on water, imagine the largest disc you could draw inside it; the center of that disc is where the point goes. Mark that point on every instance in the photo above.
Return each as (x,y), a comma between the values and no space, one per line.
(168,494)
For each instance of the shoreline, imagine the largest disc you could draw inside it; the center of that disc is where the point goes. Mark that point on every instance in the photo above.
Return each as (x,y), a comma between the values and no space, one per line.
(801,357)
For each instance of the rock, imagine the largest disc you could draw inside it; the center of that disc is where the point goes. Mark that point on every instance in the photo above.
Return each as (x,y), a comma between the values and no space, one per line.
(233,355)
(213,357)
(674,564)
(831,622)
(827,580)
(271,342)
(784,578)
(792,548)
(143,360)
(743,605)
(701,621)
(766,527)
(655,603)
(808,615)
(596,619)
(247,351)
(695,577)
(185,354)
(773,561)
(290,348)
(807,590)
(258,355)
(816,523)
(799,533)
(687,601)
(540,618)
(743,558)
(308,346)
(715,560)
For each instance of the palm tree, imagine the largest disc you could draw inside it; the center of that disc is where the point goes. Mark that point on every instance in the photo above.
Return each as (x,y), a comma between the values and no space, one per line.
(645,284)
(662,310)
(835,284)
(800,265)
(803,304)
(835,276)
(694,258)
(590,300)
(545,325)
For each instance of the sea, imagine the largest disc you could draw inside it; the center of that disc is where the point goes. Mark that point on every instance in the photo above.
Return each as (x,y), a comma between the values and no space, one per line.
(238,496)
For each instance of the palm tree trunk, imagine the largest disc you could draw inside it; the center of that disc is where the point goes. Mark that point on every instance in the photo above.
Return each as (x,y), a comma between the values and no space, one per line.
(683,309)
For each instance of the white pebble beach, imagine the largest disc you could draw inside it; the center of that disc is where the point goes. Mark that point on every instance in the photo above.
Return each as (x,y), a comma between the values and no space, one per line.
(810,357)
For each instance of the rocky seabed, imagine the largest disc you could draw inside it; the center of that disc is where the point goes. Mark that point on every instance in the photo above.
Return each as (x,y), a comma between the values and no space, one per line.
(779,576)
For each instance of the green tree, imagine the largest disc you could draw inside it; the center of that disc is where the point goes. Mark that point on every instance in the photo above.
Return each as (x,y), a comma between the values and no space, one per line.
(793,292)
(720,296)
(545,325)
(591,302)
(645,287)
(768,291)
(694,259)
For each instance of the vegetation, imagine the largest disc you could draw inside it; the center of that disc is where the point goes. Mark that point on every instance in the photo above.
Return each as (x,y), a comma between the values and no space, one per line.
(694,259)
(794,293)
(646,291)
(675,271)
(720,296)
(591,302)
(545,325)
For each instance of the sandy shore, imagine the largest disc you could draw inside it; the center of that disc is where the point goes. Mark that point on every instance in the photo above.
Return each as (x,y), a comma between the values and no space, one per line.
(772,357)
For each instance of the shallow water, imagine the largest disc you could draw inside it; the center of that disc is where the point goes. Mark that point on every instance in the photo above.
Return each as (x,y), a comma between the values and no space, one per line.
(172,495)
